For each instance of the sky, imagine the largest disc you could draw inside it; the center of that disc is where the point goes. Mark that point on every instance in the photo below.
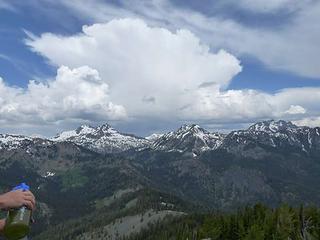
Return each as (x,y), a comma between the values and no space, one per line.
(151,66)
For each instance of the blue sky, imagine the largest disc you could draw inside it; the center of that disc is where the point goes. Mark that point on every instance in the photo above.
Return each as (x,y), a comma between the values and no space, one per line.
(269,67)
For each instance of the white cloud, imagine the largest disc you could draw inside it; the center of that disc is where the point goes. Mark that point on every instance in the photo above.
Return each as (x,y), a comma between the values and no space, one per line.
(311,122)
(249,105)
(77,94)
(292,46)
(155,73)
(296,109)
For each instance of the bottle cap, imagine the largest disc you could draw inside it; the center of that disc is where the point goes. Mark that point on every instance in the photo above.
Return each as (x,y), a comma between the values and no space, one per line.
(22,186)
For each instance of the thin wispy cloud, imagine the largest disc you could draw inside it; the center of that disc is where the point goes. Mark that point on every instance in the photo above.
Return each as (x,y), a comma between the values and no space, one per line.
(280,49)
(7,5)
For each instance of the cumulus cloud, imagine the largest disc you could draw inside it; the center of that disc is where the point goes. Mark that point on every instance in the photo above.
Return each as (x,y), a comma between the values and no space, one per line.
(142,63)
(296,109)
(154,72)
(241,105)
(76,93)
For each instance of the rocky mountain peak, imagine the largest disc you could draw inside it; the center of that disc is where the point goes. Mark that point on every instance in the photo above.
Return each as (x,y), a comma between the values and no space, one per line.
(190,138)
(84,129)
(103,139)
(189,127)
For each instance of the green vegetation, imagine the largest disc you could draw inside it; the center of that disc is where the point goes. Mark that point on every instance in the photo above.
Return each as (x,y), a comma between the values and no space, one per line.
(251,223)
(73,178)
(93,223)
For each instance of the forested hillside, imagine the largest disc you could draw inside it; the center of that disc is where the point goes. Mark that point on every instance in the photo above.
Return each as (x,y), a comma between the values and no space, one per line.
(251,223)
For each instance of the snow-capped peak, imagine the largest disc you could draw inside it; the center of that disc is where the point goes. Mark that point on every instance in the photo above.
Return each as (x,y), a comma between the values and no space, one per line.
(67,135)
(275,134)
(189,138)
(85,129)
(103,138)
(190,127)
(106,128)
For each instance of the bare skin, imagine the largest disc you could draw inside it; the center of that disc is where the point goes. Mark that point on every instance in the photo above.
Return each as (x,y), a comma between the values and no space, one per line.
(16,199)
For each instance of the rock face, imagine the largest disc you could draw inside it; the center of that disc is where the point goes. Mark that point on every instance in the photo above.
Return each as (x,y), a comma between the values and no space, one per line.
(103,139)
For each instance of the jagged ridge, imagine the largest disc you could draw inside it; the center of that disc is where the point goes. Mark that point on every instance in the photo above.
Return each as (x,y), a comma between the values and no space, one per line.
(188,138)
(276,134)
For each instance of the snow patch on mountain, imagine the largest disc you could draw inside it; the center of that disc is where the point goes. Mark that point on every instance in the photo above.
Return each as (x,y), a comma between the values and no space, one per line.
(10,142)
(155,136)
(48,174)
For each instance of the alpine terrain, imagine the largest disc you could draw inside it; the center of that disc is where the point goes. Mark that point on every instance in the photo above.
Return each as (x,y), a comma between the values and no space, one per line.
(99,183)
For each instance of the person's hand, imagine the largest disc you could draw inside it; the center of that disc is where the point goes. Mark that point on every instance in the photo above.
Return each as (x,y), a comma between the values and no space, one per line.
(16,199)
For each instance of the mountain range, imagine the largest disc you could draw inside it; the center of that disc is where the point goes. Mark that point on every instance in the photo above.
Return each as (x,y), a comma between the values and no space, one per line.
(92,173)
(188,138)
